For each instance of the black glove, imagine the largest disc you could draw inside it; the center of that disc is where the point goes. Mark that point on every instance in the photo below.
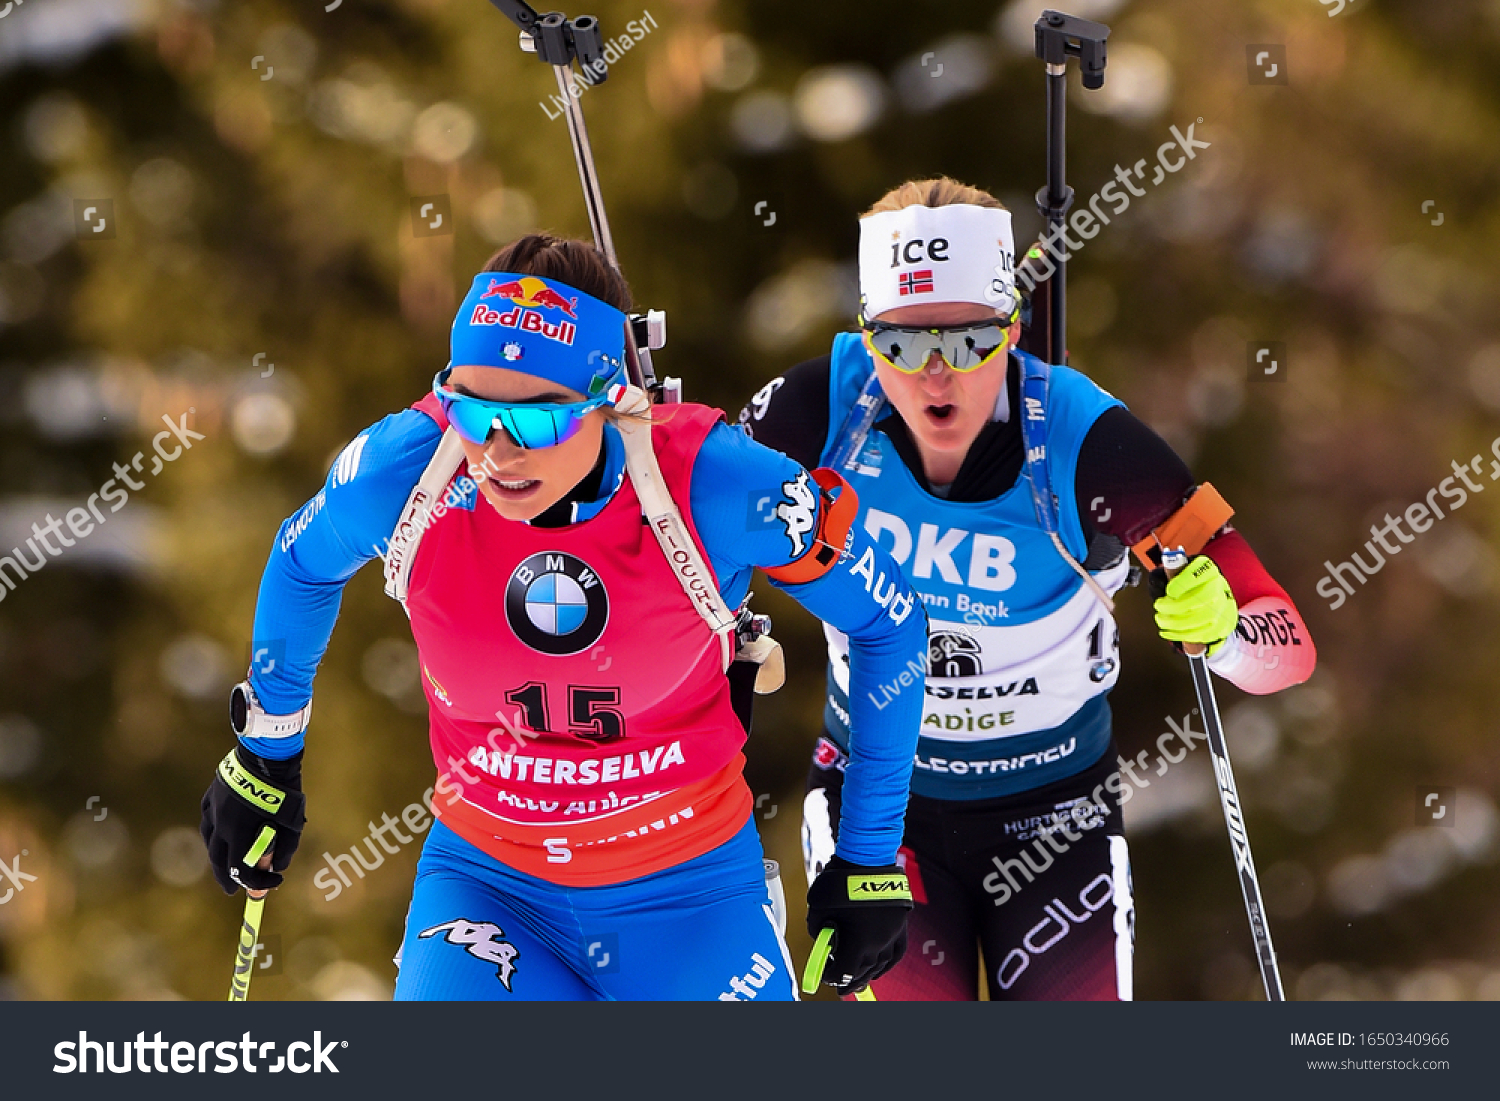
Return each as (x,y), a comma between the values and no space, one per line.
(249,793)
(867,908)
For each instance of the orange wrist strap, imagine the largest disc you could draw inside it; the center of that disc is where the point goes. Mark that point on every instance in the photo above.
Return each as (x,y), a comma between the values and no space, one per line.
(1190,527)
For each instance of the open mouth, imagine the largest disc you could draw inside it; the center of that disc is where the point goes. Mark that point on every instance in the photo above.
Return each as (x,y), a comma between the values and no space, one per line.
(942,414)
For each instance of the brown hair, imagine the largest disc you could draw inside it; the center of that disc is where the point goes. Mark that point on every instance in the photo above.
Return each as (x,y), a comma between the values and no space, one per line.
(939,191)
(577,263)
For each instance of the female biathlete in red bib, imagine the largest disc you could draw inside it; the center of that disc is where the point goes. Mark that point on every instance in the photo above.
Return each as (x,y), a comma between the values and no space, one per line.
(1010,494)
(568,557)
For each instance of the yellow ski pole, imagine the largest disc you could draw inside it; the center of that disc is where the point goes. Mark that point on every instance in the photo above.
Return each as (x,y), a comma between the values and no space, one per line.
(255,901)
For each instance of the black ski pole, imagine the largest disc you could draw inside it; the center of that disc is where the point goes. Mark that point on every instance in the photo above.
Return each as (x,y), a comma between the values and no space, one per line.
(558,41)
(1059,37)
(1172,560)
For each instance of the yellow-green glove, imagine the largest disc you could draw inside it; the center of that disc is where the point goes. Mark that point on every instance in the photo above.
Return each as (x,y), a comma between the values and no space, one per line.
(1198,607)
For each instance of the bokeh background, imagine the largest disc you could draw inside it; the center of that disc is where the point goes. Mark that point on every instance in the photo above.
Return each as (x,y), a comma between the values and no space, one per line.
(257,163)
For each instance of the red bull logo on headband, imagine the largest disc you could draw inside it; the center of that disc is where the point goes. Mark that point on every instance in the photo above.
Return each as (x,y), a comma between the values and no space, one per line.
(531,291)
(530,296)
(541,326)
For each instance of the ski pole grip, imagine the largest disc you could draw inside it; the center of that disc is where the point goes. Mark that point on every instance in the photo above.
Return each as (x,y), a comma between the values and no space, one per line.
(260,854)
(261,846)
(1173,559)
(822,948)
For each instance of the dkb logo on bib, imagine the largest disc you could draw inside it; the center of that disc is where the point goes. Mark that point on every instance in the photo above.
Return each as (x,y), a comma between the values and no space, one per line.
(556,604)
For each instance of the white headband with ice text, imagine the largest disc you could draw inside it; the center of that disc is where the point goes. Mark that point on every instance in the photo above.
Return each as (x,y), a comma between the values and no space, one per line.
(922,254)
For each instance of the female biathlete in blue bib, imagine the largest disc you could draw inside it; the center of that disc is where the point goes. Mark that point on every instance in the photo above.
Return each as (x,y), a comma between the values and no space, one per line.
(568,557)
(1013,840)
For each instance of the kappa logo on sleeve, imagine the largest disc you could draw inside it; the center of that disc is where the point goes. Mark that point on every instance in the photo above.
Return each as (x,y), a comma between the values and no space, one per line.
(483,940)
(798,512)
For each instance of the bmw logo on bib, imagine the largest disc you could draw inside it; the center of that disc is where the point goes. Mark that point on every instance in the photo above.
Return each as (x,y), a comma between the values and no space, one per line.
(556,604)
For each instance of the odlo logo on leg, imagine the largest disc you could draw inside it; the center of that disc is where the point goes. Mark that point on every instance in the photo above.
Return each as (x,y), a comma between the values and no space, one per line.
(743,987)
(1061,920)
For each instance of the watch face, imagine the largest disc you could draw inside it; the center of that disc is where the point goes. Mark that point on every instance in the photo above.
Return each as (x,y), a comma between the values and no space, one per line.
(239,709)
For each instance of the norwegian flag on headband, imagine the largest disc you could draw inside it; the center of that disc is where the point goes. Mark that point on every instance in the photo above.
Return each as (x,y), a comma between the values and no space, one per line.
(955,253)
(916,282)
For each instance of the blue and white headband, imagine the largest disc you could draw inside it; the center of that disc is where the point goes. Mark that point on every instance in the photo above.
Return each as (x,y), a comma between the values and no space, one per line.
(542,327)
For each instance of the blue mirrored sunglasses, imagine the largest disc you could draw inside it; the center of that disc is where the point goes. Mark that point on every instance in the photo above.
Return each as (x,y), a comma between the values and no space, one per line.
(531,425)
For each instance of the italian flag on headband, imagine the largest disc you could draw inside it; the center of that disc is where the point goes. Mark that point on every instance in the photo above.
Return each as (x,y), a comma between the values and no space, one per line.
(922,254)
